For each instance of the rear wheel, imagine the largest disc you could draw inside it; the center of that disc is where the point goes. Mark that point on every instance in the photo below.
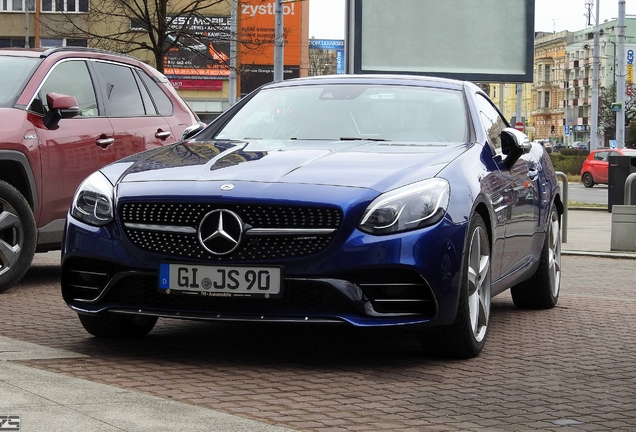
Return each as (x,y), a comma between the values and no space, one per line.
(110,325)
(542,290)
(465,338)
(17,236)
(588,180)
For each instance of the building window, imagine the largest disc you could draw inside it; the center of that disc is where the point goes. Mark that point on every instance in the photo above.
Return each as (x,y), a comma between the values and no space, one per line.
(138,25)
(547,73)
(64,5)
(15,5)
(52,43)
(547,99)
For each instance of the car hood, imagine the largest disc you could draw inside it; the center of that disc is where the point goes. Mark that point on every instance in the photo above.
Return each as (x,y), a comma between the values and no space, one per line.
(367,164)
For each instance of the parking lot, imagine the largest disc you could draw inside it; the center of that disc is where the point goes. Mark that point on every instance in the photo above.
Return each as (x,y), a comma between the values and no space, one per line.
(569,368)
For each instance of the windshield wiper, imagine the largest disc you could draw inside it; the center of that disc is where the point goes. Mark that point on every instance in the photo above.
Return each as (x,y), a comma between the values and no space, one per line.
(362,139)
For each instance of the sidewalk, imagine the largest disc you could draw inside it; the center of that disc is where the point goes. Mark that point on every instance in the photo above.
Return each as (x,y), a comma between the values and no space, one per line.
(47,401)
(589,232)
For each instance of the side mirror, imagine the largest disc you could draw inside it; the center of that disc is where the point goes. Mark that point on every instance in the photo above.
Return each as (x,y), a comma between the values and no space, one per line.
(60,106)
(514,144)
(191,131)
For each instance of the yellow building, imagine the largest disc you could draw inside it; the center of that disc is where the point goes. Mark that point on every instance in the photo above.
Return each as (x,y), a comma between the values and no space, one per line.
(548,87)
(505,97)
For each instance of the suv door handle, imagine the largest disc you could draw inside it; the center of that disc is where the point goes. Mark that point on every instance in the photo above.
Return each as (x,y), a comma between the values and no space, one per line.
(105,142)
(162,135)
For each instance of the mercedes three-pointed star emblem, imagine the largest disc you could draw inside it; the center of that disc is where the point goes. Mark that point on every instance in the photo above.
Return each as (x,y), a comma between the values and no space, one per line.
(220,232)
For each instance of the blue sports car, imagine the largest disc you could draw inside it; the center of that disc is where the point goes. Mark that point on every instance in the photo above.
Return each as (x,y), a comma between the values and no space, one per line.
(366,200)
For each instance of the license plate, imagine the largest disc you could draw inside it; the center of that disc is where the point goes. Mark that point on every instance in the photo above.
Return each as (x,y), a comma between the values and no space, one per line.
(220,281)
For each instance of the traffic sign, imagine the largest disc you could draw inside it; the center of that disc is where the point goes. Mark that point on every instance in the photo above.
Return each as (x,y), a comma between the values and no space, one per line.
(520,126)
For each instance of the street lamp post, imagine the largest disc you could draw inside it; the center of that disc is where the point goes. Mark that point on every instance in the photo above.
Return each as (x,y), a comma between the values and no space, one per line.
(279,41)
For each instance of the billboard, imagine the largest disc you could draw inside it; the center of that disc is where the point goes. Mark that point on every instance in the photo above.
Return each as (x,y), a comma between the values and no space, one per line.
(205,54)
(326,56)
(488,40)
(256,27)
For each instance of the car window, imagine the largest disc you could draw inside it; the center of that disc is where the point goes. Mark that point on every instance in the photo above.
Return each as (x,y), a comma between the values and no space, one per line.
(601,156)
(492,121)
(161,100)
(69,78)
(120,90)
(352,111)
(15,72)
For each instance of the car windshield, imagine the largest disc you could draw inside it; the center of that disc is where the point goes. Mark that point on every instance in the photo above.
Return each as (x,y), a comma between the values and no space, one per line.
(15,72)
(351,112)
(629,152)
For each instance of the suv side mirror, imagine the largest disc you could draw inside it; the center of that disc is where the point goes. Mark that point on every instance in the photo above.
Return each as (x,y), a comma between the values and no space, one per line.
(60,106)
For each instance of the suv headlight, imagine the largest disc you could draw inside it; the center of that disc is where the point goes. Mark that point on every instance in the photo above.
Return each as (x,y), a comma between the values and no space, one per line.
(407,208)
(93,201)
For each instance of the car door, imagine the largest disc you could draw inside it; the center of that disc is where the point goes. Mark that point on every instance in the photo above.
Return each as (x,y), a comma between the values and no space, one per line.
(76,146)
(599,165)
(136,123)
(514,202)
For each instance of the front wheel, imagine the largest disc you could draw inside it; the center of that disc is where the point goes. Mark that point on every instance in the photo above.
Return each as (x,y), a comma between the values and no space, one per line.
(465,338)
(118,326)
(588,180)
(17,236)
(542,290)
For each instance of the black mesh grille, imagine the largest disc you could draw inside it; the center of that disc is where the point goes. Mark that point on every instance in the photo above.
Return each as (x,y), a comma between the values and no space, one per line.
(257,216)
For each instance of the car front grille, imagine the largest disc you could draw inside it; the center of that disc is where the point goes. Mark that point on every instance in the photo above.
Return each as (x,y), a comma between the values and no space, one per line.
(143,224)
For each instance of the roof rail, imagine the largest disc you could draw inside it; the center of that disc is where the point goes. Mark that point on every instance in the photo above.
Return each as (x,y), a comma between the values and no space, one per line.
(50,51)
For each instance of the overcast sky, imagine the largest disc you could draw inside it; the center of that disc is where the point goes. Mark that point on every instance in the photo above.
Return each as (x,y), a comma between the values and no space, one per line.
(326,17)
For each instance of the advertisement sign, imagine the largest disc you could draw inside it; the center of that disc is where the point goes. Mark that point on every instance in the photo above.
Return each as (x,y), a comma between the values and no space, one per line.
(196,84)
(328,54)
(256,26)
(629,81)
(204,55)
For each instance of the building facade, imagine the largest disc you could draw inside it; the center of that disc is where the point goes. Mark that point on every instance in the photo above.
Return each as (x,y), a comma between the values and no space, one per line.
(548,89)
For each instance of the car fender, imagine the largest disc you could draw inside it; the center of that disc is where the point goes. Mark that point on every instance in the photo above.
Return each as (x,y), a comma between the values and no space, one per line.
(26,184)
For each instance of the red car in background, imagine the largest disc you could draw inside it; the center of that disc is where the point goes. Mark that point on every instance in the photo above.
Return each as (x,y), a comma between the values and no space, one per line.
(64,113)
(596,166)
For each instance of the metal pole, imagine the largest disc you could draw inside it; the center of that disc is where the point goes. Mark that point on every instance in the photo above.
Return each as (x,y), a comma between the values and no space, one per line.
(620,77)
(233,62)
(595,68)
(26,25)
(519,94)
(279,41)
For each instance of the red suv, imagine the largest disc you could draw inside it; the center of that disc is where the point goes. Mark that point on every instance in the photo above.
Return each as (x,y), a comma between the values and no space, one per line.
(596,166)
(63,114)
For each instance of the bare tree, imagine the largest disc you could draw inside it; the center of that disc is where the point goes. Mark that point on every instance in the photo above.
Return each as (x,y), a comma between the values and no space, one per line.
(180,33)
(321,61)
(607,117)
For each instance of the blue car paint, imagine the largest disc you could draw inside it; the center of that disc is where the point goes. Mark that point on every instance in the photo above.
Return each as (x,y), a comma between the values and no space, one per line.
(275,174)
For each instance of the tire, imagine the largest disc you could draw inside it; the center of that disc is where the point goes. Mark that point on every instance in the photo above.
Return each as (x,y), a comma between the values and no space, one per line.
(465,338)
(588,180)
(542,290)
(109,325)
(18,236)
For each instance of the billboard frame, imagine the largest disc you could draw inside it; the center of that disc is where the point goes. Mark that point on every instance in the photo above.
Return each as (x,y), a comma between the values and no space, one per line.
(353,44)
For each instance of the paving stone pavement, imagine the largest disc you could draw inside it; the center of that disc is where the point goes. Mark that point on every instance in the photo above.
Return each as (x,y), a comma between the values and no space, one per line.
(572,368)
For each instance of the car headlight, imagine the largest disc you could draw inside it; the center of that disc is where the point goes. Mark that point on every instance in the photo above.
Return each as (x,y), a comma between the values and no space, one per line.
(93,201)
(407,208)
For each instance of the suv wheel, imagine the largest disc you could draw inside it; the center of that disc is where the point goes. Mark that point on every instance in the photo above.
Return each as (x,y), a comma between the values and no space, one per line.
(17,236)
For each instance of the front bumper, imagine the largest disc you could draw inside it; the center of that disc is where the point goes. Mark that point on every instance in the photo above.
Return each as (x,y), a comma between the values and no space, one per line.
(403,279)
